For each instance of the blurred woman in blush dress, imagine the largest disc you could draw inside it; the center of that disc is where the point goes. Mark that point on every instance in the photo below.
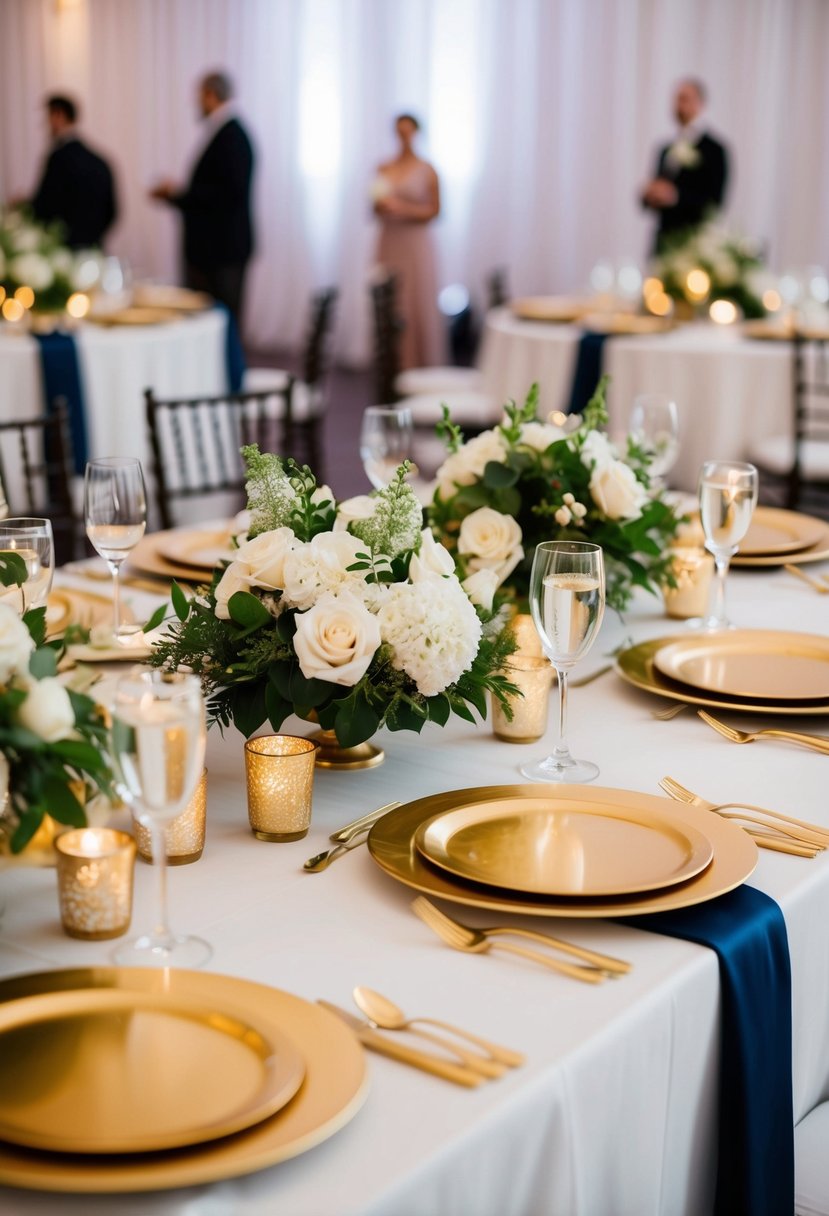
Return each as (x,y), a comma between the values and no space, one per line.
(406,196)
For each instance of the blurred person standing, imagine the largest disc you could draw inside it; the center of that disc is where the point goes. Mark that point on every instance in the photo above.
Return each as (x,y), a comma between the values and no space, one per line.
(406,195)
(691,171)
(77,187)
(215,204)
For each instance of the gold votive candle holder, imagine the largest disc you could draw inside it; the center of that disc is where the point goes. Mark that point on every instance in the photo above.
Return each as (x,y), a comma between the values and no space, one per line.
(533,677)
(528,643)
(95,867)
(280,780)
(693,570)
(183,836)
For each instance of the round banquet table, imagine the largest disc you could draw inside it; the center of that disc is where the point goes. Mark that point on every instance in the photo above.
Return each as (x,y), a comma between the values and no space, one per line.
(730,390)
(616,1108)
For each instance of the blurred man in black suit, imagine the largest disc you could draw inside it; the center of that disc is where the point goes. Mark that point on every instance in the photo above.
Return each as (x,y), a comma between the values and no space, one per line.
(691,172)
(215,204)
(77,185)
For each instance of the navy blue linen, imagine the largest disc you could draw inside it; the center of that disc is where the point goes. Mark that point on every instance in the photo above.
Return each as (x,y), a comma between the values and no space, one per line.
(62,378)
(587,370)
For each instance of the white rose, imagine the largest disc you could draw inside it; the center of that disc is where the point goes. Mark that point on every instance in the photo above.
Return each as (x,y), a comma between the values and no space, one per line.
(539,435)
(15,644)
(336,639)
(320,566)
(234,579)
(33,270)
(491,541)
(481,587)
(464,467)
(323,494)
(616,492)
(360,507)
(47,710)
(261,561)
(596,451)
(433,560)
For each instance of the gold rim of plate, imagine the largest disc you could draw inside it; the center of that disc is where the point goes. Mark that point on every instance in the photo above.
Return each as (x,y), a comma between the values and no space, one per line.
(147,558)
(636,666)
(391,844)
(71,606)
(538,847)
(560,310)
(626,323)
(775,530)
(196,549)
(104,1071)
(763,664)
(332,1092)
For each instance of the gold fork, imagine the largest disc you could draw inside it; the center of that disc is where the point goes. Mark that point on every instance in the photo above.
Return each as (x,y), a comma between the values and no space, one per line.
(665,715)
(595,969)
(816,742)
(807,835)
(820,587)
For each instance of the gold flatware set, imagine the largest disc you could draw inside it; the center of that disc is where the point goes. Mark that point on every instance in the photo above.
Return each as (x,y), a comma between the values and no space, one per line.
(819,583)
(349,837)
(818,743)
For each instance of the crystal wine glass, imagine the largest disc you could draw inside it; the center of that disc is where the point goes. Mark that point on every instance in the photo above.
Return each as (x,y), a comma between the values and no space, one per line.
(654,426)
(158,744)
(567,602)
(31,540)
(727,498)
(385,442)
(115,508)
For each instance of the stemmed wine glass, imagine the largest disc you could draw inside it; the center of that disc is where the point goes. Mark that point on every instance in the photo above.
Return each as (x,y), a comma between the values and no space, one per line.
(115,508)
(727,498)
(158,744)
(567,603)
(32,541)
(385,442)
(654,426)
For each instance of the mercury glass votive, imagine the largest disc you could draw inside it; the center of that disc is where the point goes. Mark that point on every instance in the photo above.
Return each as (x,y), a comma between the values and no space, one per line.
(95,868)
(183,836)
(693,570)
(280,779)
(528,643)
(534,678)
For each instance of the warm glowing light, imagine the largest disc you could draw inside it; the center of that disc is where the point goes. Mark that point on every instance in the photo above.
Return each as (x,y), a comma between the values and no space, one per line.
(659,303)
(557,418)
(25,296)
(651,286)
(723,312)
(12,309)
(2,293)
(78,304)
(772,300)
(697,284)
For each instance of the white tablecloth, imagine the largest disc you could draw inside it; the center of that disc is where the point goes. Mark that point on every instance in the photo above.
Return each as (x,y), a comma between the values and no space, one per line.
(729,390)
(615,1111)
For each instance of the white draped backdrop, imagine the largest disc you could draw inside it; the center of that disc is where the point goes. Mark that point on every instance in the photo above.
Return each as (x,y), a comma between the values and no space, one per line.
(541,116)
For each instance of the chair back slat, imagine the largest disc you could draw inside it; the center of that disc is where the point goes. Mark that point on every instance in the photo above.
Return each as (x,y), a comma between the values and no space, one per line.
(387,329)
(36,478)
(810,377)
(316,357)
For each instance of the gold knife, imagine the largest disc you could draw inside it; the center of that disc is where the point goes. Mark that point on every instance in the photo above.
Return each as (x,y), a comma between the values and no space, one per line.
(424,1060)
(344,834)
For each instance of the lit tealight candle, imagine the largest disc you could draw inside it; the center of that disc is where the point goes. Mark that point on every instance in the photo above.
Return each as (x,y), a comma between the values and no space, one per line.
(95,868)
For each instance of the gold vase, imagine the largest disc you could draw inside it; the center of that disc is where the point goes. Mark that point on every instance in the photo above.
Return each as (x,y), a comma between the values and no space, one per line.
(330,753)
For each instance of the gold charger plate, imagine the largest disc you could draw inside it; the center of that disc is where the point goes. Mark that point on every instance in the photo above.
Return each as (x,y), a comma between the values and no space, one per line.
(135,315)
(69,606)
(626,323)
(391,843)
(561,309)
(204,550)
(333,1091)
(542,847)
(818,552)
(182,299)
(636,666)
(148,558)
(763,664)
(105,1071)
(773,530)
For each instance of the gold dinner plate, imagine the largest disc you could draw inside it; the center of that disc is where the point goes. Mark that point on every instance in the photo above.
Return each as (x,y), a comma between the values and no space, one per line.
(773,530)
(105,1071)
(819,552)
(147,557)
(392,845)
(332,1092)
(543,847)
(136,315)
(68,606)
(636,665)
(763,664)
(58,612)
(182,299)
(561,309)
(204,550)
(626,323)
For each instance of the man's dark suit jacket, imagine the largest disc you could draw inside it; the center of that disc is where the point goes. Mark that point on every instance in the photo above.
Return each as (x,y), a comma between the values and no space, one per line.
(78,189)
(700,187)
(216,204)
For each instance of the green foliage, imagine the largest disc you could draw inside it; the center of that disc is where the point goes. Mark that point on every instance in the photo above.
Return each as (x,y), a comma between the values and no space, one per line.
(394,527)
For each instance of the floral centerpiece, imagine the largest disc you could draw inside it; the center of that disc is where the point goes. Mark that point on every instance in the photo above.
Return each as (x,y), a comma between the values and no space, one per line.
(498,495)
(354,615)
(37,265)
(52,739)
(707,263)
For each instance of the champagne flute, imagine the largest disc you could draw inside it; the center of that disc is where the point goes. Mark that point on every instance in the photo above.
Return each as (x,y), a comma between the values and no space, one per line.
(385,442)
(158,744)
(115,508)
(654,426)
(727,498)
(567,604)
(32,541)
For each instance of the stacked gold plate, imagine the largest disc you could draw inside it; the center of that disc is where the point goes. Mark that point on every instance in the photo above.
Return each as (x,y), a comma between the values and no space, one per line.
(557,309)
(776,537)
(755,670)
(188,555)
(121,1079)
(562,851)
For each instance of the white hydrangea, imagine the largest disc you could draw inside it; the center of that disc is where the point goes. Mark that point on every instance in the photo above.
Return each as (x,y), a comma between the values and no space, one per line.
(433,630)
(464,467)
(539,435)
(597,451)
(322,565)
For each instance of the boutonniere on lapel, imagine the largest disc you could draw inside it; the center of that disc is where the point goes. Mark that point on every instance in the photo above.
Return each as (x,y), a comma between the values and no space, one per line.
(685,154)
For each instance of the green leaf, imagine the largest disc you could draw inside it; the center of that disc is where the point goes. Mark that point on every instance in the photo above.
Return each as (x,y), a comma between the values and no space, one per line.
(309,693)
(78,754)
(439,709)
(279,675)
(13,570)
(499,476)
(477,696)
(250,707)
(248,611)
(276,707)
(35,621)
(62,803)
(181,605)
(356,721)
(156,619)
(43,663)
(30,821)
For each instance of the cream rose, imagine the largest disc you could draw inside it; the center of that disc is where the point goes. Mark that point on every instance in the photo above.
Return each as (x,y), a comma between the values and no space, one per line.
(320,566)
(351,509)
(336,639)
(539,435)
(464,467)
(47,710)
(490,540)
(481,587)
(616,492)
(261,561)
(234,579)
(15,644)
(433,560)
